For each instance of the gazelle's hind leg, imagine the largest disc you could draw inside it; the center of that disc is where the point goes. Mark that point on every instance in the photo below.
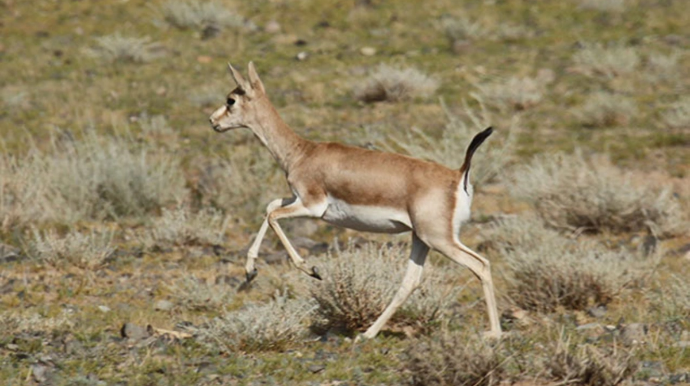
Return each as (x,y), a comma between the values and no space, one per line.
(412,279)
(481,268)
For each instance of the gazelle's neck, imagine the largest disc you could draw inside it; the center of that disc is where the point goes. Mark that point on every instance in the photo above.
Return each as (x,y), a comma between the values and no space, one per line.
(283,143)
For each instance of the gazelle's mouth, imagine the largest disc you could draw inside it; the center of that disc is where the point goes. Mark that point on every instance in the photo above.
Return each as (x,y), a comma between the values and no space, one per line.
(219,129)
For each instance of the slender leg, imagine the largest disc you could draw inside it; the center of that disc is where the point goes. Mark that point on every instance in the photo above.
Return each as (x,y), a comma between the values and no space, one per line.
(253,252)
(412,279)
(295,209)
(481,268)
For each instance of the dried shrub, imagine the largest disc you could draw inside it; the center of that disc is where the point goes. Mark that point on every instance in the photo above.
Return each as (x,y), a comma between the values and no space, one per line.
(453,359)
(672,298)
(603,5)
(513,93)
(610,62)
(199,295)
(663,66)
(393,84)
(259,327)
(182,227)
(449,149)
(13,323)
(678,115)
(606,109)
(201,16)
(86,251)
(571,192)
(359,283)
(518,232)
(118,48)
(588,365)
(461,29)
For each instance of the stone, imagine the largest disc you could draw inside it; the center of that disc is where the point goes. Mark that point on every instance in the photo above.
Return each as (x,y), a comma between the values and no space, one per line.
(9,253)
(368,51)
(104,308)
(597,312)
(134,332)
(634,333)
(302,56)
(40,373)
(272,27)
(204,59)
(316,368)
(163,305)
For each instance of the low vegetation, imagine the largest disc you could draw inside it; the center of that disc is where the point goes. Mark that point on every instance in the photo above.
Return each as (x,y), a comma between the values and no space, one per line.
(119,48)
(392,84)
(603,109)
(88,251)
(182,227)
(208,17)
(609,62)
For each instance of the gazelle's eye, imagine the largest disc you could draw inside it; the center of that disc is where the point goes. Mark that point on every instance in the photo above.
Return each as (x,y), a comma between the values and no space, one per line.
(230,102)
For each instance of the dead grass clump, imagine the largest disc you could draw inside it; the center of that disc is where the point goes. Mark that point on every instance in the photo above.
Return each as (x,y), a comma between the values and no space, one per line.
(392,84)
(449,149)
(519,232)
(182,227)
(359,283)
(513,93)
(571,192)
(588,365)
(461,29)
(118,48)
(13,323)
(610,62)
(202,16)
(672,298)
(453,359)
(87,251)
(198,295)
(259,327)
(678,116)
(603,109)
(603,5)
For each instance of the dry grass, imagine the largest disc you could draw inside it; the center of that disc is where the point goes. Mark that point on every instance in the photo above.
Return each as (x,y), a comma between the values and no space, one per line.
(14,322)
(258,327)
(603,109)
(461,29)
(118,48)
(199,295)
(572,192)
(86,251)
(610,62)
(359,283)
(678,115)
(604,5)
(182,227)
(392,84)
(203,16)
(454,359)
(513,93)
(449,149)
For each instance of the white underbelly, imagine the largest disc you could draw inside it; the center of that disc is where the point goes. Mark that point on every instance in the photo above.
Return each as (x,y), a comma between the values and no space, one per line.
(366,218)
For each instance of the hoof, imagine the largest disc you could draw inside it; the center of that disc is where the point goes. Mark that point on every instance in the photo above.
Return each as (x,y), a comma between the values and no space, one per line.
(251,275)
(315,273)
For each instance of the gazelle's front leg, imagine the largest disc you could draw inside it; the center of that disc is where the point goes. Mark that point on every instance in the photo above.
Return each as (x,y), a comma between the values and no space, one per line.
(253,252)
(295,209)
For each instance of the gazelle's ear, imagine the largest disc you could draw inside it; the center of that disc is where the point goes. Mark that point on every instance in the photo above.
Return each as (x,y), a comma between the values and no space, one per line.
(256,83)
(238,78)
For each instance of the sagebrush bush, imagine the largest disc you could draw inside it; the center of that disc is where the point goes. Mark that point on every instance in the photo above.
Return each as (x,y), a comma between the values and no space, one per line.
(387,83)
(202,16)
(595,59)
(518,232)
(678,115)
(663,66)
(454,359)
(199,295)
(449,149)
(13,322)
(93,178)
(358,284)
(258,327)
(182,227)
(118,48)
(518,93)
(461,29)
(588,365)
(572,192)
(87,251)
(606,109)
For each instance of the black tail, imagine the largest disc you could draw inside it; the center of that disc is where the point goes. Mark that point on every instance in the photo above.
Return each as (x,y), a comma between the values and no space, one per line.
(476,142)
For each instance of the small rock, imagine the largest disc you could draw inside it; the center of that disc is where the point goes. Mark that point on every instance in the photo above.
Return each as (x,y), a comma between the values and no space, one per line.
(163,305)
(679,378)
(368,51)
(232,281)
(272,27)
(300,42)
(104,308)
(634,333)
(302,56)
(591,330)
(132,331)
(316,368)
(204,59)
(40,373)
(8,253)
(597,312)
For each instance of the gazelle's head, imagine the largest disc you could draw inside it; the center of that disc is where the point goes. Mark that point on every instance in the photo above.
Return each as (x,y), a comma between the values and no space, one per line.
(241,108)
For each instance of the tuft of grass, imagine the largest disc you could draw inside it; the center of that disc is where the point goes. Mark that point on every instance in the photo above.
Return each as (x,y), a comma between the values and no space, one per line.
(392,84)
(181,227)
(678,115)
(603,109)
(449,149)
(664,66)
(453,359)
(603,5)
(13,322)
(359,283)
(118,48)
(461,29)
(202,16)
(86,251)
(575,193)
(610,62)
(517,93)
(199,295)
(259,327)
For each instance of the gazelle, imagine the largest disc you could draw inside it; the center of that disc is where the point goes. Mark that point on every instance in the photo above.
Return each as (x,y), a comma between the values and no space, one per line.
(363,190)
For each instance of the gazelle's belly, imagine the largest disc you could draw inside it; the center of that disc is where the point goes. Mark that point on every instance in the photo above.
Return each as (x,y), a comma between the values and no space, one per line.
(366,218)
